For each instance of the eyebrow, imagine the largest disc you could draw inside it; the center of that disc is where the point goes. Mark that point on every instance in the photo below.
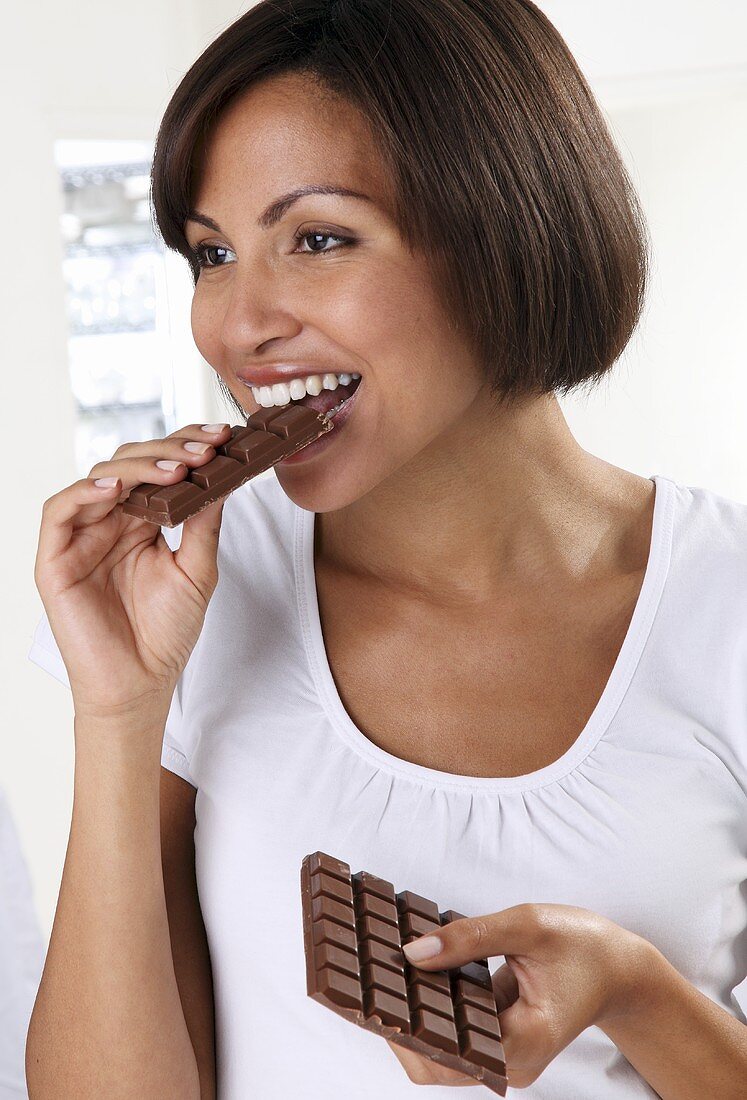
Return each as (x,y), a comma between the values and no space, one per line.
(280,206)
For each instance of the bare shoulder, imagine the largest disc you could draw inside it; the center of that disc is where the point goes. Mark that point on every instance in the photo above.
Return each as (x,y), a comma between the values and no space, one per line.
(629,501)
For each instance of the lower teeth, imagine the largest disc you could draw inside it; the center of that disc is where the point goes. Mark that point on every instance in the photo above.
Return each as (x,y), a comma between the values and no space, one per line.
(332,412)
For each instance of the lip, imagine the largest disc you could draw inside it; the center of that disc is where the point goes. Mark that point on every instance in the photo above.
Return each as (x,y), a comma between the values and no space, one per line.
(284,372)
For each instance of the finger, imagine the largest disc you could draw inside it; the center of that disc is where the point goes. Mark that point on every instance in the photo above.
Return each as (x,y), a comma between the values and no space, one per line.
(412,1065)
(171,446)
(512,931)
(529,1043)
(208,433)
(153,469)
(198,551)
(423,1071)
(150,470)
(60,512)
(81,504)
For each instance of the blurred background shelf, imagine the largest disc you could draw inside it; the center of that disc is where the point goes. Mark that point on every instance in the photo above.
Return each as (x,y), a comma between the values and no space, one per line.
(116,297)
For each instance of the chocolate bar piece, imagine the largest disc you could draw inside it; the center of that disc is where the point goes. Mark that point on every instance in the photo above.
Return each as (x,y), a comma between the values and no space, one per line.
(354,927)
(268,436)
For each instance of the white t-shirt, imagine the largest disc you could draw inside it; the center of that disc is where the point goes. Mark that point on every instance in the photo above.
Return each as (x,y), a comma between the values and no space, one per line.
(643,819)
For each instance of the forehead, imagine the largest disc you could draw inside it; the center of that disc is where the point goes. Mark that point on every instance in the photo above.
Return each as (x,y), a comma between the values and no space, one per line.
(283,132)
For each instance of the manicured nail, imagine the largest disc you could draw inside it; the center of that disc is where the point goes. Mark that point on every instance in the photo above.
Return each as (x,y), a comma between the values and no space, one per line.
(106,482)
(214,429)
(424,948)
(168,464)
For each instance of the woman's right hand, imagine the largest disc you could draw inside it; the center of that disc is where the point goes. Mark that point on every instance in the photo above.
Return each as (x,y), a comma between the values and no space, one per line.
(124,609)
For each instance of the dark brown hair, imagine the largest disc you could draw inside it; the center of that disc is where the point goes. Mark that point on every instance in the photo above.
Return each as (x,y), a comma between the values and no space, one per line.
(504,171)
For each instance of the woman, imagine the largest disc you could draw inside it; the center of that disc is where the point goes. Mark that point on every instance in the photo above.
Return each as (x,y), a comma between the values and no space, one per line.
(445,644)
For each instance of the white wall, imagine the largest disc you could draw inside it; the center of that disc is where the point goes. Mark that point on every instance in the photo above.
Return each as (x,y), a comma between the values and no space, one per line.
(673,75)
(650,36)
(676,401)
(672,80)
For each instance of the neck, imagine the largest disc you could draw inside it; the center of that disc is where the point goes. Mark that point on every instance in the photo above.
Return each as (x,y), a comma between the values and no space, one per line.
(504,497)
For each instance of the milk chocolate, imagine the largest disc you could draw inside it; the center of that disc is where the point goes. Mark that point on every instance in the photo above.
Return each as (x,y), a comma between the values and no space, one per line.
(268,436)
(354,928)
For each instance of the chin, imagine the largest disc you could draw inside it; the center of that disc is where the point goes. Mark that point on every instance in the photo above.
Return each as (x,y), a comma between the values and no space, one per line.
(317,491)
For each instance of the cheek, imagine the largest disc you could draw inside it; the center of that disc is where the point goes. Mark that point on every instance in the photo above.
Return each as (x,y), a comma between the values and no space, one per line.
(391,320)
(205,328)
(360,312)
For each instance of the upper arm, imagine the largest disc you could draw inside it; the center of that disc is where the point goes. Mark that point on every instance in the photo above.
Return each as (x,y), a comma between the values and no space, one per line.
(189,944)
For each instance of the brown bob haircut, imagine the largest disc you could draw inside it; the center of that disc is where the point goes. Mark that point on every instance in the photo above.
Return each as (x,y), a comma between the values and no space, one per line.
(503,169)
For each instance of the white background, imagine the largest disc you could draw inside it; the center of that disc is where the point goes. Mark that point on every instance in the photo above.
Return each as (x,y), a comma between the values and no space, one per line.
(672,76)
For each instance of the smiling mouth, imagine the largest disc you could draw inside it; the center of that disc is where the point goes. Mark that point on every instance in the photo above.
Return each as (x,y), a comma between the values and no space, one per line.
(328,402)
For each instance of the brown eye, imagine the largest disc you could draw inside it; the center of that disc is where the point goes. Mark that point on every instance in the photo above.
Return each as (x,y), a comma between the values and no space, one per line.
(316,235)
(202,252)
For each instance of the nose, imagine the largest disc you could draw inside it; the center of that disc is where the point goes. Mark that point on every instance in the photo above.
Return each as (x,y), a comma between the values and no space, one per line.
(256,312)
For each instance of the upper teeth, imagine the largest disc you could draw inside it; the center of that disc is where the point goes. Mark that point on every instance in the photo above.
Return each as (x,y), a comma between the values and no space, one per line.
(283,392)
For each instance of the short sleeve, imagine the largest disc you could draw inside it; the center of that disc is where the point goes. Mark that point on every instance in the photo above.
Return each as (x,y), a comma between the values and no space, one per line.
(45,653)
(739,999)
(173,754)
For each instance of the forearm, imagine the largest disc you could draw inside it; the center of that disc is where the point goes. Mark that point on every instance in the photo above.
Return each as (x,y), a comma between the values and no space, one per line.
(680,1041)
(108,1019)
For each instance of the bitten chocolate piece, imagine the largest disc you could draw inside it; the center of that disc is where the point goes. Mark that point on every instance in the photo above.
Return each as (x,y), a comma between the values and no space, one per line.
(268,436)
(354,928)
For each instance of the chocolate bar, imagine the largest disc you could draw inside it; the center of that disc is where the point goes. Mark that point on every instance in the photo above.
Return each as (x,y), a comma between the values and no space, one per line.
(268,436)
(354,928)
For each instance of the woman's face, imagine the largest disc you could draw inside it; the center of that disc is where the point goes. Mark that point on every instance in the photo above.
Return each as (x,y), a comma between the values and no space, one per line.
(294,293)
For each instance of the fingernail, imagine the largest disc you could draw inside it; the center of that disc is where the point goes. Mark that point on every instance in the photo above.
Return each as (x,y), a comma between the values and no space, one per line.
(214,429)
(168,464)
(106,482)
(424,948)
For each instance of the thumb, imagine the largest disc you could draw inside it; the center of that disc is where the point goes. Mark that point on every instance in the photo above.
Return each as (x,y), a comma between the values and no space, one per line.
(470,939)
(197,554)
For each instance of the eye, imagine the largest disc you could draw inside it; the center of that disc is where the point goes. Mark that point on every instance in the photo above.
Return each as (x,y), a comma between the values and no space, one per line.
(316,233)
(200,253)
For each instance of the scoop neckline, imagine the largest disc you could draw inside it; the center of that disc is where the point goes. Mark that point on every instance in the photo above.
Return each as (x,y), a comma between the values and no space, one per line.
(649,598)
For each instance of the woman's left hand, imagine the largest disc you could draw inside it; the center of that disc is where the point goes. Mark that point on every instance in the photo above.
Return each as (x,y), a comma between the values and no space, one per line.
(566,968)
